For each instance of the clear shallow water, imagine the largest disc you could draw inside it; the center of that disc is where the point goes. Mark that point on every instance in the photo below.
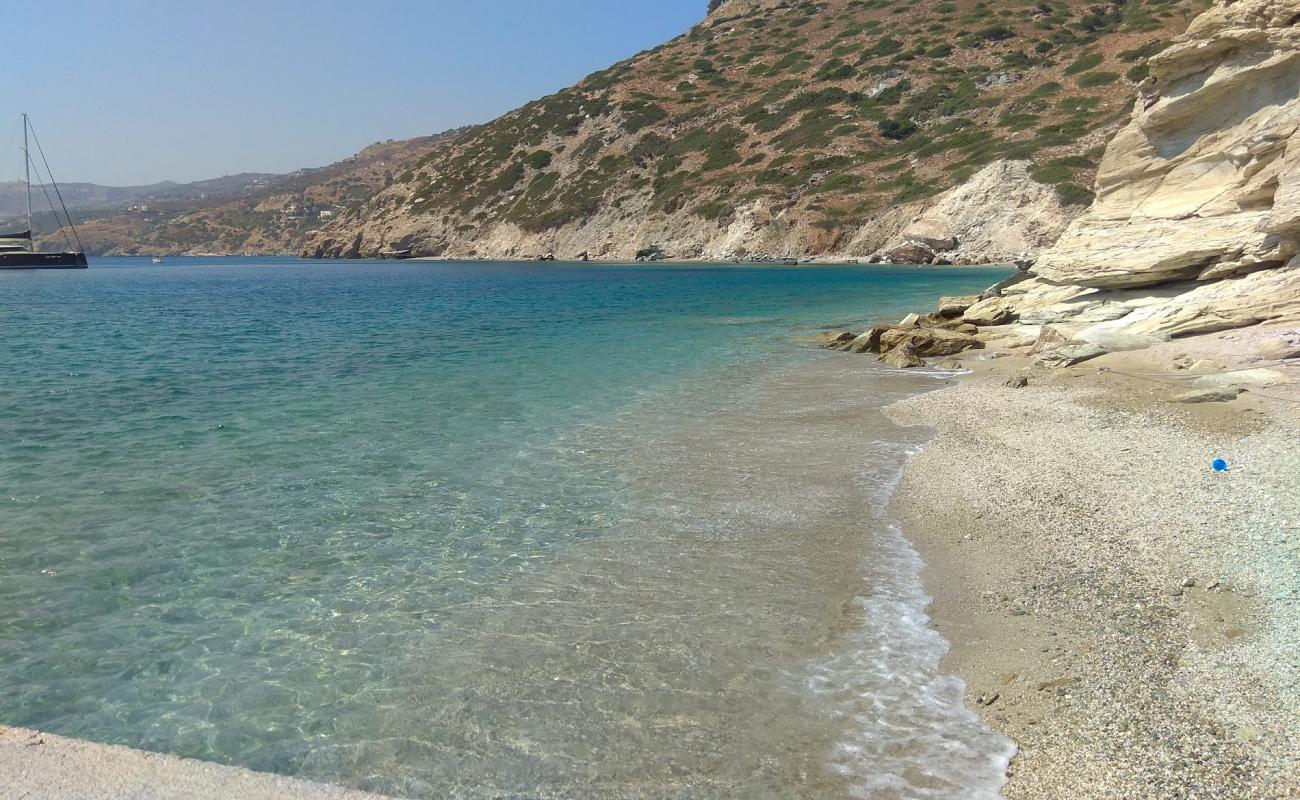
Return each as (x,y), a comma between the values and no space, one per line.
(478,530)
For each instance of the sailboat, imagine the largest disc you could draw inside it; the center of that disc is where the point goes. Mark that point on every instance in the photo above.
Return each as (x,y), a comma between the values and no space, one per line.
(17,250)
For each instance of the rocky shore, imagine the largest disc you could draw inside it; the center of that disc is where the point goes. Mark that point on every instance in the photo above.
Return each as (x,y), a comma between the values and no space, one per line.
(1122,610)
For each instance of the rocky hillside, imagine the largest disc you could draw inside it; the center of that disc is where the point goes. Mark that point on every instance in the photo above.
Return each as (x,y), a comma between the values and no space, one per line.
(251,214)
(796,128)
(1196,225)
(94,197)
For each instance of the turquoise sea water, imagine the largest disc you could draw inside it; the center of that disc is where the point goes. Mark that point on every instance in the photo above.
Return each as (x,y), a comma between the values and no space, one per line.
(476,530)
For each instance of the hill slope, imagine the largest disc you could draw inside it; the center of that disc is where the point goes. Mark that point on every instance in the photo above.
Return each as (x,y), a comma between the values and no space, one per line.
(242,214)
(782,127)
(94,197)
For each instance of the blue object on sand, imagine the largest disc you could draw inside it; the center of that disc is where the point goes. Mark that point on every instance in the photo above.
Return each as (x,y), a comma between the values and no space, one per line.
(1220,465)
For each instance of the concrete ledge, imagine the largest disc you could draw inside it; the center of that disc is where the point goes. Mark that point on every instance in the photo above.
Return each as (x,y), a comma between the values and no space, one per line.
(41,766)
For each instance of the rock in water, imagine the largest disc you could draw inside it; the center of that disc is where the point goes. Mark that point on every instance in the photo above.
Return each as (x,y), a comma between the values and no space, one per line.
(869,342)
(903,357)
(835,341)
(929,341)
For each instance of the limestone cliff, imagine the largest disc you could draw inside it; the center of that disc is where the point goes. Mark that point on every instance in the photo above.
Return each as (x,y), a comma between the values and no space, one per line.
(1196,225)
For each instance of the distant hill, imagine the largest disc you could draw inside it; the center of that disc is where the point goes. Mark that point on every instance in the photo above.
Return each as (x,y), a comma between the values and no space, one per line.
(782,127)
(93,197)
(250,213)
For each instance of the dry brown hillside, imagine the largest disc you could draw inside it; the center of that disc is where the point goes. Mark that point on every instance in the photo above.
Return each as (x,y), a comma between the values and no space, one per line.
(779,127)
(272,217)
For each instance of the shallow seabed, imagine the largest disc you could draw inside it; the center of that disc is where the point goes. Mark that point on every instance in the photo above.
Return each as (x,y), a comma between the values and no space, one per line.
(474,530)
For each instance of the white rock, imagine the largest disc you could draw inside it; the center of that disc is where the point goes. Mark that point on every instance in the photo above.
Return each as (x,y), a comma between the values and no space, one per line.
(1205,182)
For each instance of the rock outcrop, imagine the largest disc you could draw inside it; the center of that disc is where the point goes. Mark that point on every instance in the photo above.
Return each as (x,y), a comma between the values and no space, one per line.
(1000,215)
(1196,224)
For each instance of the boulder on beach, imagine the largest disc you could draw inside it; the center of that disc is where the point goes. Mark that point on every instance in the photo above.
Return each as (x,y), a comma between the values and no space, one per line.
(1070,355)
(949,307)
(991,311)
(1219,395)
(929,341)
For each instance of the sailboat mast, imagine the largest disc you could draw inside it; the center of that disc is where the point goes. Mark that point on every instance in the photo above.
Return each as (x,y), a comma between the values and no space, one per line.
(27,166)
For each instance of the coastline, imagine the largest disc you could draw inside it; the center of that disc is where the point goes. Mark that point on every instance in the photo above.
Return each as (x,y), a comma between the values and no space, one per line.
(1113,605)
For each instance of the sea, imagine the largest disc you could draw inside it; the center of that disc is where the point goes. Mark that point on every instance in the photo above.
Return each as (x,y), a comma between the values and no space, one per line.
(476,529)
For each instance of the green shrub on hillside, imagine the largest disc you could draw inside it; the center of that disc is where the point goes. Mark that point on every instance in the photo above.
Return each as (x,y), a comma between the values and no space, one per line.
(835,70)
(1084,63)
(1144,52)
(1099,78)
(897,128)
(714,210)
(886,46)
(1071,194)
(638,115)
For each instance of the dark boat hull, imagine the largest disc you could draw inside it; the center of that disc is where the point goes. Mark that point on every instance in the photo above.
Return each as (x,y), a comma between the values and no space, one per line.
(42,260)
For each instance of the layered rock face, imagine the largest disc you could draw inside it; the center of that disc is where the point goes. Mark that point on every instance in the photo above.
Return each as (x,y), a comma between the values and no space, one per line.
(1001,215)
(1196,225)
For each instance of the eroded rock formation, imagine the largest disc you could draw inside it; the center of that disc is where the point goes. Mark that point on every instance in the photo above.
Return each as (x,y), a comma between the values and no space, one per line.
(1196,225)
(1000,215)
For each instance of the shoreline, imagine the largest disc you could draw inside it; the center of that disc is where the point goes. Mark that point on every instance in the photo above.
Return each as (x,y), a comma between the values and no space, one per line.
(1061,525)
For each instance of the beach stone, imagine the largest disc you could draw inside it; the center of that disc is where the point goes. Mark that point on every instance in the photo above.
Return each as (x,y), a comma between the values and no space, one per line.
(903,357)
(1070,355)
(1049,338)
(1219,395)
(1058,683)
(950,363)
(1018,382)
(929,341)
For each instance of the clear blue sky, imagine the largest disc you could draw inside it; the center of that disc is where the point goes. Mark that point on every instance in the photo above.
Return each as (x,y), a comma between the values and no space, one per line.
(137,91)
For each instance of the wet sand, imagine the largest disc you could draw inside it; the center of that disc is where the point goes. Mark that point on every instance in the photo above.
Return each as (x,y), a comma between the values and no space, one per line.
(1126,614)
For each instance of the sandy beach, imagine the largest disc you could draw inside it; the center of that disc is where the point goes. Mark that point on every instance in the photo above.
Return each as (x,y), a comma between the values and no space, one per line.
(1124,612)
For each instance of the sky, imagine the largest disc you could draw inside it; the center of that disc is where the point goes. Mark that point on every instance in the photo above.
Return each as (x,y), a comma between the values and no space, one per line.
(137,91)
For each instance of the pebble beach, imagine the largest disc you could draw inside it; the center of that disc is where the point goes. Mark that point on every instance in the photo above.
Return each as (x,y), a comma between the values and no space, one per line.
(1124,612)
